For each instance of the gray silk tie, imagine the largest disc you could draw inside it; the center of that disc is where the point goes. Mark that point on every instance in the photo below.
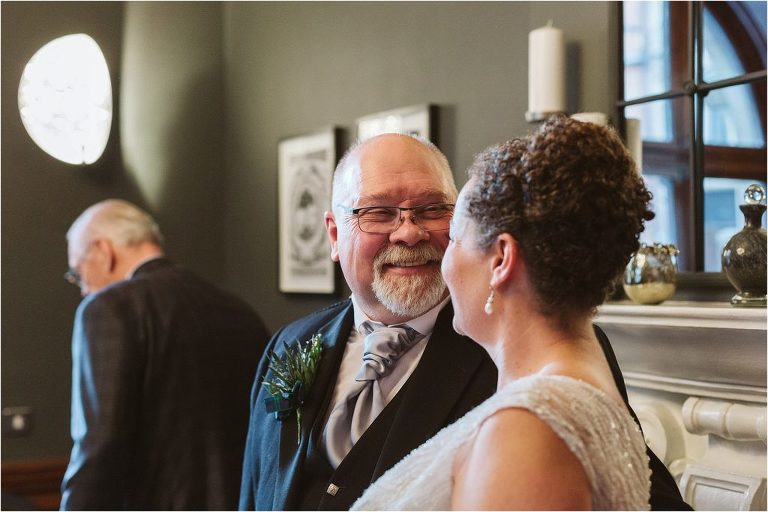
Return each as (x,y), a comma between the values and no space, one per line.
(383,346)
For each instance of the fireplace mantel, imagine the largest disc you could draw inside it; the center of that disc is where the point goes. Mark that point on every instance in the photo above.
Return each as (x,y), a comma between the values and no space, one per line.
(696,376)
(686,314)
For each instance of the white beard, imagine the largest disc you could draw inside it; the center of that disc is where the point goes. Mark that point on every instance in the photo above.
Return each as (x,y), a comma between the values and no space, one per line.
(408,296)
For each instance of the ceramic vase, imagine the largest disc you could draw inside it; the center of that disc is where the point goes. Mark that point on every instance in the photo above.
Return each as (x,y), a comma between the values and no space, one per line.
(744,256)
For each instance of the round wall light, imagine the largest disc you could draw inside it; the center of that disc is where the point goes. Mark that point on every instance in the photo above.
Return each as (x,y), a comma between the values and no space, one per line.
(65,99)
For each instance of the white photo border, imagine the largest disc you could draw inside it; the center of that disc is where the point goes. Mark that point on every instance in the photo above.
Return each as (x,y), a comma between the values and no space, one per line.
(418,120)
(305,176)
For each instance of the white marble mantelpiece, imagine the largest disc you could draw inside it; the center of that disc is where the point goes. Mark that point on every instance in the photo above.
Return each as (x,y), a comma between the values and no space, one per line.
(702,341)
(696,376)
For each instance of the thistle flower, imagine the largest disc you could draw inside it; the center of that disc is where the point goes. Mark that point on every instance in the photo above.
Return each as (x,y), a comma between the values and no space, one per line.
(292,375)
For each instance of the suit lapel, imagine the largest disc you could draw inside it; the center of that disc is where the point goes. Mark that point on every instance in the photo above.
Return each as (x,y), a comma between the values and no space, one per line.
(335,335)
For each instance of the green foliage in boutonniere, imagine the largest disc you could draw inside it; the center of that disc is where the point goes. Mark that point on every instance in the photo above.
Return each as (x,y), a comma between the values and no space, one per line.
(292,375)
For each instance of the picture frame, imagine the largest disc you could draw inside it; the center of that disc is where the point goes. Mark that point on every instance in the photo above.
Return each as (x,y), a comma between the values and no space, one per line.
(420,120)
(305,177)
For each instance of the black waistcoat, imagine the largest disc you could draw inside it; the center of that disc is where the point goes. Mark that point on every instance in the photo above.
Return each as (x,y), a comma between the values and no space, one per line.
(322,488)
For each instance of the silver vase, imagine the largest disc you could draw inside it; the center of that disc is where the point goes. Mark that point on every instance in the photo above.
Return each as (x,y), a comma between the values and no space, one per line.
(651,274)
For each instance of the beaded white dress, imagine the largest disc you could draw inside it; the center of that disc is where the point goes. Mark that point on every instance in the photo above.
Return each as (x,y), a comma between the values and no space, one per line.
(600,432)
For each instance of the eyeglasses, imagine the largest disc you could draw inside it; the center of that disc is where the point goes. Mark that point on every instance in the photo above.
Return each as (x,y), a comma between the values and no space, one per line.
(387,219)
(72,275)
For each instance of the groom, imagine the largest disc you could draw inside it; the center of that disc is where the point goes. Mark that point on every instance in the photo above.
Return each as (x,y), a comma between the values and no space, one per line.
(392,202)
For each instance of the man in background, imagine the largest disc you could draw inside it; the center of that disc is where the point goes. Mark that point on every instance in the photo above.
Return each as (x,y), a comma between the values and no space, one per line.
(162,367)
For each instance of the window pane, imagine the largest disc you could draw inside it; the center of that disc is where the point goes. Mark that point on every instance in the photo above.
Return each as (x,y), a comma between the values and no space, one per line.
(722,217)
(655,58)
(734,39)
(665,132)
(656,121)
(662,228)
(731,117)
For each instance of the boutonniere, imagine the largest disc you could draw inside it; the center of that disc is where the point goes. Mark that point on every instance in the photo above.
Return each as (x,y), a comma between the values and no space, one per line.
(292,375)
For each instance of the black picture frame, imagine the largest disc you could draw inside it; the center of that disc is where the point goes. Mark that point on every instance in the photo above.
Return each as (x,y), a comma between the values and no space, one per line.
(305,176)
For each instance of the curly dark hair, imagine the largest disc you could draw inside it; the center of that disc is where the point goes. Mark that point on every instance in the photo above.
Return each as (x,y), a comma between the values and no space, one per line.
(571,196)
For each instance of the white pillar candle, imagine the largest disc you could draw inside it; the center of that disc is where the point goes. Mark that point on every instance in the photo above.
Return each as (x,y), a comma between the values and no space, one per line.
(635,142)
(546,70)
(591,117)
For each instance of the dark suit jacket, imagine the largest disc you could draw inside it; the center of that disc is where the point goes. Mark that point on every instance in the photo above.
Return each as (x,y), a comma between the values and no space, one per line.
(453,376)
(162,367)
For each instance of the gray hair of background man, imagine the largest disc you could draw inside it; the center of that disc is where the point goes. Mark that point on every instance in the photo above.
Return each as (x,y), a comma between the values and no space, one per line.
(340,177)
(120,221)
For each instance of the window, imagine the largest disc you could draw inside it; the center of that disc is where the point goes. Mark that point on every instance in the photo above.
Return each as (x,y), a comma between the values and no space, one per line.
(65,99)
(694,74)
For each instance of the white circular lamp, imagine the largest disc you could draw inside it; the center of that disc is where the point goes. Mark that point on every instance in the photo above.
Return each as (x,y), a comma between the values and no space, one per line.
(65,99)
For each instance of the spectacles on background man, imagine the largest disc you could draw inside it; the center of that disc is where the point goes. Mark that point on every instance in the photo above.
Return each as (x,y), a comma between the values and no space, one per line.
(384,220)
(72,275)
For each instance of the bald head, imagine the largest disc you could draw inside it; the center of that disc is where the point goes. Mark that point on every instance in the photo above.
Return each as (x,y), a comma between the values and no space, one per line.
(399,149)
(108,240)
(122,222)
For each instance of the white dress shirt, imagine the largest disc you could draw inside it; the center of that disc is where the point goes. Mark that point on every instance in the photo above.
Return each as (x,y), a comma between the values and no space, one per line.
(353,355)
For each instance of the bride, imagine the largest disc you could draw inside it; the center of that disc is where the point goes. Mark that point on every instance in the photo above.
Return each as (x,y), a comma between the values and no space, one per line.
(541,230)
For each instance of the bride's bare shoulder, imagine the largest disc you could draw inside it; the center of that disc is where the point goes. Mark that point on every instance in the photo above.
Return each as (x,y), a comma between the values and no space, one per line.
(508,465)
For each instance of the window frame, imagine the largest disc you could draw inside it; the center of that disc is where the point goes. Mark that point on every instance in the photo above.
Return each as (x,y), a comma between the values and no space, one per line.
(687,58)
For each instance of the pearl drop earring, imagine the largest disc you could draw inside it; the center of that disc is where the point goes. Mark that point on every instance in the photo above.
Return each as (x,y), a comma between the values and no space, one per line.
(489,303)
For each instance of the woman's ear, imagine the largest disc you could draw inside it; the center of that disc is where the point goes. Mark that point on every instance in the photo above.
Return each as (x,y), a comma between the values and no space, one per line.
(505,259)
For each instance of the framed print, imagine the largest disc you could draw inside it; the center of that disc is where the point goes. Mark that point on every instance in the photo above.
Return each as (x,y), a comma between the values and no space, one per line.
(305,175)
(418,120)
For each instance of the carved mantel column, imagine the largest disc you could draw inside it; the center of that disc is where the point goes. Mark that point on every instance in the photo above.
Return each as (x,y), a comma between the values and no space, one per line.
(696,375)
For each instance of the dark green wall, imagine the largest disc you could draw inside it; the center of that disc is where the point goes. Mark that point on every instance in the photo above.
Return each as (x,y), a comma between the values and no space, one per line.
(173,123)
(40,198)
(165,153)
(205,91)
(293,67)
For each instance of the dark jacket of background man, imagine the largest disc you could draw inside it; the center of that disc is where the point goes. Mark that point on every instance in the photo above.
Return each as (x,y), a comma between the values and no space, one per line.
(163,362)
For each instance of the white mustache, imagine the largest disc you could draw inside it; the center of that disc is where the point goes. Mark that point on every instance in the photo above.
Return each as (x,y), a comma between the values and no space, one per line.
(404,256)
